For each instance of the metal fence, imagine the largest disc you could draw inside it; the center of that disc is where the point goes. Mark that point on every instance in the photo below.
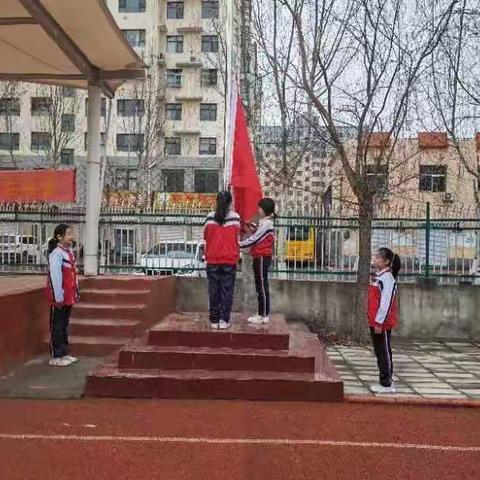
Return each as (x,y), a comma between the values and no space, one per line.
(307,247)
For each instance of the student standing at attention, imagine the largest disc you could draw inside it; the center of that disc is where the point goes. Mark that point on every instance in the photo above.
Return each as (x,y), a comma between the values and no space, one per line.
(62,290)
(222,252)
(261,244)
(383,314)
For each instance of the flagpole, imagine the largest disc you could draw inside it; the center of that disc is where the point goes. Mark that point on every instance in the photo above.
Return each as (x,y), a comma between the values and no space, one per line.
(229,96)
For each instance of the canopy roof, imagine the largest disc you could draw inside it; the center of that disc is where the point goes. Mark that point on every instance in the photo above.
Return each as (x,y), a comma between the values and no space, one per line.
(65,42)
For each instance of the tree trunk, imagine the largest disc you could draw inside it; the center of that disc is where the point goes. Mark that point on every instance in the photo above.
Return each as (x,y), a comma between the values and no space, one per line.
(359,324)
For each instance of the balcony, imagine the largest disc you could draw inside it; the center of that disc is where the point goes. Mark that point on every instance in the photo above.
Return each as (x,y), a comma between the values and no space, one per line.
(188,97)
(192,61)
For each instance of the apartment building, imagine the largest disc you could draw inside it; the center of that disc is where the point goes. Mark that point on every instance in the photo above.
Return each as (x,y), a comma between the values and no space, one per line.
(296,164)
(413,171)
(165,134)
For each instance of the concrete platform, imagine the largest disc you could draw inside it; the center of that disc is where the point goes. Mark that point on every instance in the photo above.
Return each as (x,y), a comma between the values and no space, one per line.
(182,357)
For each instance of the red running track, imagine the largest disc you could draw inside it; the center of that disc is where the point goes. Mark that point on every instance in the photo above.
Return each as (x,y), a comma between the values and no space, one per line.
(180,440)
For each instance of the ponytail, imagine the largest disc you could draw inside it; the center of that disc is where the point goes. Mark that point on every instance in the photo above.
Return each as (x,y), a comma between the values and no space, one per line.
(224,202)
(396,265)
(393,259)
(60,231)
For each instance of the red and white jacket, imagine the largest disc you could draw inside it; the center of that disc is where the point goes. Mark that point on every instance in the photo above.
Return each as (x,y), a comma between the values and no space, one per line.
(221,241)
(262,240)
(62,285)
(382,301)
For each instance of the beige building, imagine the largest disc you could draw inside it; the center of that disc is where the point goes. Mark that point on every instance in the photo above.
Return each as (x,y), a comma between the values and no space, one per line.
(164,135)
(415,171)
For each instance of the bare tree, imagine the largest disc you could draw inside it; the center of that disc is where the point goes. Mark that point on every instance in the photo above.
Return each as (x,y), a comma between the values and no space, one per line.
(11,93)
(57,119)
(453,86)
(144,120)
(358,63)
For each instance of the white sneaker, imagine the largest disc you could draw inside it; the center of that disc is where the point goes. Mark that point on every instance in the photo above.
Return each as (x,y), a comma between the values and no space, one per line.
(258,320)
(72,359)
(59,362)
(382,389)
(223,325)
(214,326)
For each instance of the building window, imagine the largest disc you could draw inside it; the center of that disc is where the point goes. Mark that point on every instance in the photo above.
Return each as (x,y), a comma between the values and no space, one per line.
(209,77)
(208,112)
(377,177)
(173,111)
(131,6)
(41,105)
(130,107)
(103,138)
(10,107)
(173,180)
(129,142)
(208,146)
(209,43)
(210,9)
(175,43)
(126,178)
(67,157)
(68,122)
(136,38)
(173,146)
(206,181)
(174,78)
(68,92)
(40,141)
(433,178)
(175,10)
(103,107)
(9,141)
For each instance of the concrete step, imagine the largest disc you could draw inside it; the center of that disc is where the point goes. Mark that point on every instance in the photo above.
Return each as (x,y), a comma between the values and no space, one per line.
(114,296)
(95,346)
(109,381)
(188,358)
(193,330)
(104,327)
(118,282)
(108,311)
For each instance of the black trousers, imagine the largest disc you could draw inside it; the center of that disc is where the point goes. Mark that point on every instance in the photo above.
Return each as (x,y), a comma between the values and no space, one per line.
(261,266)
(383,352)
(221,287)
(59,319)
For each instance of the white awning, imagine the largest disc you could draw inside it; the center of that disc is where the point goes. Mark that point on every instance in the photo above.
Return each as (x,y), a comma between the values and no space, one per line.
(65,42)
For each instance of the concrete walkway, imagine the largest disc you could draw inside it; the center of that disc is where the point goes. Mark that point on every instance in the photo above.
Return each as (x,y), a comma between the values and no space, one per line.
(449,370)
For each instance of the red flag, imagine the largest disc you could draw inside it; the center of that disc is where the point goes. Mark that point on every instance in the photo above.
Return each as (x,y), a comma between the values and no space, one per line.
(247,191)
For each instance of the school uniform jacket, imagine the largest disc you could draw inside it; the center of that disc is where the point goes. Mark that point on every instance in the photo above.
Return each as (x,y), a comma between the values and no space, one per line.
(382,301)
(62,285)
(221,241)
(262,240)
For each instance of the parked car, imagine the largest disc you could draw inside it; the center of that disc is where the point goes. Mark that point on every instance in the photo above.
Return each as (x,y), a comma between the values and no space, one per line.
(174,258)
(19,249)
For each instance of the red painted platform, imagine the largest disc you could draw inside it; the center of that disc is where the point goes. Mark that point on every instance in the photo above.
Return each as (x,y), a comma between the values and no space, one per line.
(181,357)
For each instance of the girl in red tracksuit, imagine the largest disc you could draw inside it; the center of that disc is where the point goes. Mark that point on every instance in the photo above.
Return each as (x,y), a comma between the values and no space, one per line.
(62,288)
(222,252)
(383,314)
(261,247)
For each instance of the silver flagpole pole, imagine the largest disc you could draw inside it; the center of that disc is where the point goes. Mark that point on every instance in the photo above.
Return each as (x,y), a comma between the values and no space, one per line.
(229,100)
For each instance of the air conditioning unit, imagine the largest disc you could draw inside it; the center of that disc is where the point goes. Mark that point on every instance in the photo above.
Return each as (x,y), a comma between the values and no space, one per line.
(448,197)
(193,58)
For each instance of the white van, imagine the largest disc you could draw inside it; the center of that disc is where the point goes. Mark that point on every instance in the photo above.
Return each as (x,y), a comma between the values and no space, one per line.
(18,249)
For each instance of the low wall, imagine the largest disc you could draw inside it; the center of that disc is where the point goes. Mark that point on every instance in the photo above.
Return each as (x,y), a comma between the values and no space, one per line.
(24,320)
(426,311)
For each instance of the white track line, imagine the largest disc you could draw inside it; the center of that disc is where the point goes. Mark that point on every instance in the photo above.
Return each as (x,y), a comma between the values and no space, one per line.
(236,441)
